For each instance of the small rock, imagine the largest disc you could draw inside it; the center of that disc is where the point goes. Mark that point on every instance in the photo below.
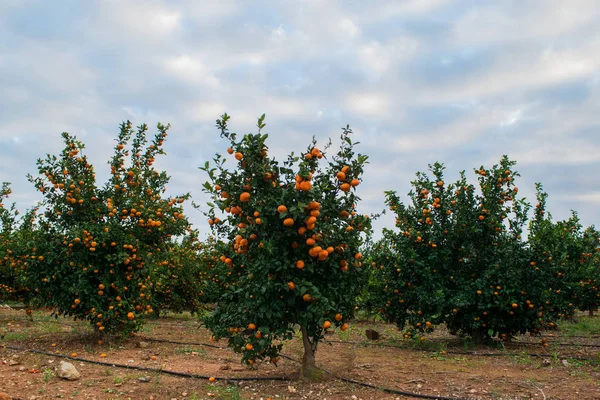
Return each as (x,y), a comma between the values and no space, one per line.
(546,362)
(22,369)
(473,391)
(371,334)
(14,362)
(144,379)
(130,361)
(291,389)
(67,371)
(143,345)
(565,363)
(354,397)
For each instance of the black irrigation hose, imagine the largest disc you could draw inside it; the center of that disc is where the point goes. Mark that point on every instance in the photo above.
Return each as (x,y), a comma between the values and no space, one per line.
(379,388)
(560,344)
(148,369)
(577,358)
(228,379)
(384,389)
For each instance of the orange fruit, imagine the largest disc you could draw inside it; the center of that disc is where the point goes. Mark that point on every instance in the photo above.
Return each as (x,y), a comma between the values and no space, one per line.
(338,317)
(230,150)
(300,264)
(130,315)
(305,186)
(103,355)
(244,197)
(344,327)
(326,325)
(251,326)
(345,187)
(340,176)
(249,346)
(282,209)
(354,182)
(73,354)
(238,156)
(211,379)
(288,222)
(291,285)
(306,297)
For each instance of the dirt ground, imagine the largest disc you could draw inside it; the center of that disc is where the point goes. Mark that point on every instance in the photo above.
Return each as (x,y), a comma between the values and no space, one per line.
(568,367)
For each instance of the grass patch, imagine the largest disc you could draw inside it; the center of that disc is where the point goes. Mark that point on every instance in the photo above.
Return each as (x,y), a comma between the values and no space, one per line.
(584,326)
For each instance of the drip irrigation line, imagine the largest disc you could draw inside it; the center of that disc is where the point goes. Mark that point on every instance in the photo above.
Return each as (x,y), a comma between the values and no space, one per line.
(379,388)
(347,380)
(561,344)
(147,369)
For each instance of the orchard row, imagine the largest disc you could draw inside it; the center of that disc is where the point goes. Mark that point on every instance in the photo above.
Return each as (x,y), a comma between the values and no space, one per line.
(289,249)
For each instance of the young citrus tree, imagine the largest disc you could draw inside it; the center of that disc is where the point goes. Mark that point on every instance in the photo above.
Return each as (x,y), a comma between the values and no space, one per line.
(587,277)
(458,258)
(99,246)
(178,277)
(9,273)
(292,236)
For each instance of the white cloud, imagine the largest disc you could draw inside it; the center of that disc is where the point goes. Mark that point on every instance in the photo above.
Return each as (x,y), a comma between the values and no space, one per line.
(349,28)
(368,103)
(191,70)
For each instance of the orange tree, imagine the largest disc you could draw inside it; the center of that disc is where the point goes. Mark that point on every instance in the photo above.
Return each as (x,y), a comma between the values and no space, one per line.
(587,278)
(559,249)
(458,258)
(99,246)
(178,277)
(9,274)
(568,254)
(292,238)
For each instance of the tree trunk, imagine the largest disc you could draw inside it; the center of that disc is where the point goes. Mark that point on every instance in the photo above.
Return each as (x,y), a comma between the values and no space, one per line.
(309,369)
(591,313)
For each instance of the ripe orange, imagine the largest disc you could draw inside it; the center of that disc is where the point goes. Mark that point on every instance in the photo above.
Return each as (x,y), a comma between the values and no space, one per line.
(345,187)
(211,379)
(238,156)
(282,209)
(288,222)
(249,346)
(130,315)
(103,355)
(306,297)
(305,186)
(244,197)
(291,285)
(230,150)
(354,182)
(326,325)
(251,326)
(344,327)
(300,264)
(340,176)
(338,317)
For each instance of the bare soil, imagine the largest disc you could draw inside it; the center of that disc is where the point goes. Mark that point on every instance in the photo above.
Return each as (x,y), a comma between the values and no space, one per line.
(442,365)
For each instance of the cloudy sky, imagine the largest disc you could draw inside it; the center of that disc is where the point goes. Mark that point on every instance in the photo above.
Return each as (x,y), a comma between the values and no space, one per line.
(461,82)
